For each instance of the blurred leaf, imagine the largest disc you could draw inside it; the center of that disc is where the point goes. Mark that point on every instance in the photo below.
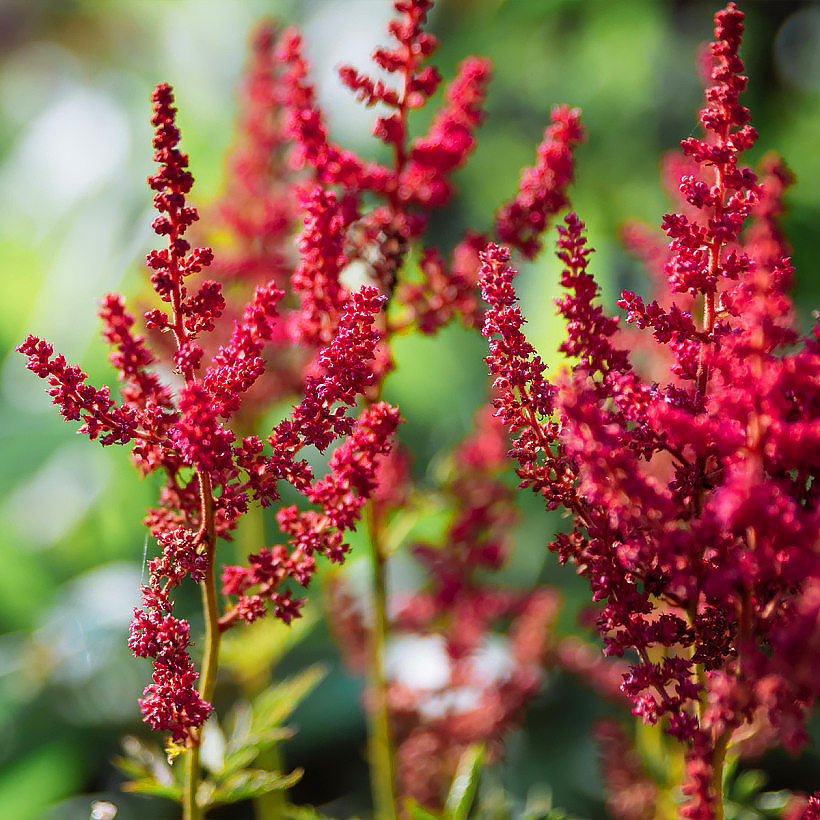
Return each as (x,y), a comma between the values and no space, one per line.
(539,803)
(774,802)
(418,812)
(150,786)
(249,783)
(252,651)
(460,799)
(304,813)
(253,746)
(747,785)
(212,748)
(273,706)
(148,769)
(256,727)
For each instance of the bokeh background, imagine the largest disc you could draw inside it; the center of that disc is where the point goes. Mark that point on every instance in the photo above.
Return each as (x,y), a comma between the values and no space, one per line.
(75,79)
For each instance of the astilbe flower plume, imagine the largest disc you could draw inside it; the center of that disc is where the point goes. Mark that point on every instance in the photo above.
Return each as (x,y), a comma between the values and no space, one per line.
(693,494)
(419,179)
(269,324)
(212,473)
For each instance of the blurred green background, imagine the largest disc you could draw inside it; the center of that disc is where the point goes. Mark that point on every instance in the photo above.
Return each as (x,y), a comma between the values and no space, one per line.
(75,79)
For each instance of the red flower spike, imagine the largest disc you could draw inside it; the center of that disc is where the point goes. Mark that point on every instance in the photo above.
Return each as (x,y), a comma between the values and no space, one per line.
(693,518)
(542,188)
(172,182)
(316,278)
(237,365)
(341,495)
(449,140)
(307,128)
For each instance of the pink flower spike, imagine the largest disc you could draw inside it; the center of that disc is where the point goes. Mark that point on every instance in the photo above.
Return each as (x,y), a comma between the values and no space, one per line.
(542,188)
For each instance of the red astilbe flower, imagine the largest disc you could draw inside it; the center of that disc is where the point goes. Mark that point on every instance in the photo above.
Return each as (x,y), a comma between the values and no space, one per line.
(78,400)
(316,278)
(420,178)
(542,188)
(693,498)
(341,495)
(212,474)
(252,224)
(449,140)
(237,365)
(812,810)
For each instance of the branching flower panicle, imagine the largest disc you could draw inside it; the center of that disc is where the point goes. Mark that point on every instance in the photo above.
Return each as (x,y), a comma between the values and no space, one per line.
(212,474)
(695,517)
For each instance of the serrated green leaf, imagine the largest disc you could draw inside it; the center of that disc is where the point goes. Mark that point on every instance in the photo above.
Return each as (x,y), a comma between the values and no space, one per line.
(465,783)
(148,785)
(249,783)
(254,745)
(239,759)
(275,705)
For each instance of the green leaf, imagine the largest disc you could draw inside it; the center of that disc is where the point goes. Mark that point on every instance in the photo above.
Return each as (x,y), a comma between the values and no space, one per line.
(148,785)
(773,802)
(212,750)
(251,651)
(253,745)
(747,785)
(305,812)
(465,783)
(148,770)
(247,784)
(239,721)
(539,803)
(273,706)
(418,812)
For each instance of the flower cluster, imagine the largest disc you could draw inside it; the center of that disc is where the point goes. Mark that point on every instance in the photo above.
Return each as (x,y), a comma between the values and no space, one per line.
(212,473)
(693,492)
(685,446)
(420,177)
(267,326)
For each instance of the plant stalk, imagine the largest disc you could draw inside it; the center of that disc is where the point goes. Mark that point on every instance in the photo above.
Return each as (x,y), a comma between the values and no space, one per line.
(271,805)
(210,660)
(718,764)
(380,745)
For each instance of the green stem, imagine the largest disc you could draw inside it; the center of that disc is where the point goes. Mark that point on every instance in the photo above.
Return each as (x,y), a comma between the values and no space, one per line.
(380,746)
(718,763)
(271,805)
(210,660)
(250,535)
(190,809)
